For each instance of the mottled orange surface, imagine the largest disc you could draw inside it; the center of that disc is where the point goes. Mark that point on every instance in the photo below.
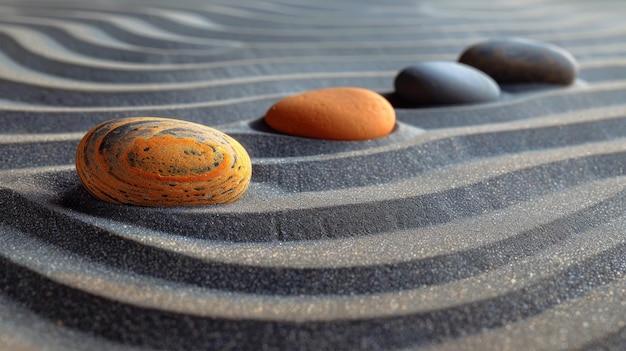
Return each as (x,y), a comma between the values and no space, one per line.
(343,113)
(149,161)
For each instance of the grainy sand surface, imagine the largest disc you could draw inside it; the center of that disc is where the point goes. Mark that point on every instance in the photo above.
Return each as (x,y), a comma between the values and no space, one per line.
(496,226)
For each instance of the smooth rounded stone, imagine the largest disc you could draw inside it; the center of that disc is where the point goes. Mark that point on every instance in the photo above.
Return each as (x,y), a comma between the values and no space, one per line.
(441,82)
(522,61)
(149,161)
(343,113)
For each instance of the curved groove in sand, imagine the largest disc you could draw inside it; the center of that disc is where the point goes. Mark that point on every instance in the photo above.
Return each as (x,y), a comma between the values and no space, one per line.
(193,25)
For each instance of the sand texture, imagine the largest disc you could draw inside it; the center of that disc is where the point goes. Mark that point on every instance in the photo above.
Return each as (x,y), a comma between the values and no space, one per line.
(495,226)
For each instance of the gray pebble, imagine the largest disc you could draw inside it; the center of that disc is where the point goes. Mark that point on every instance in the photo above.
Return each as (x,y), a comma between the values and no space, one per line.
(522,61)
(441,82)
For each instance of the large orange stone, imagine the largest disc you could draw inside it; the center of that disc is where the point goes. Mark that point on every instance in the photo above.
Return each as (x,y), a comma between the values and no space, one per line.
(151,161)
(343,113)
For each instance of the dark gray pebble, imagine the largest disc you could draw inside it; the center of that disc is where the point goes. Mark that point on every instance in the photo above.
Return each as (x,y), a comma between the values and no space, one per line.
(440,82)
(522,61)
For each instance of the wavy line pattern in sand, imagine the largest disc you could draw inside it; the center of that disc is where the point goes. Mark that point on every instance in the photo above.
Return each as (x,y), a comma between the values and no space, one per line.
(492,227)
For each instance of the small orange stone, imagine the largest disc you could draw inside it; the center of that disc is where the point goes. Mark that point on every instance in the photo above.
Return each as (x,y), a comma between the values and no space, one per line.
(343,113)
